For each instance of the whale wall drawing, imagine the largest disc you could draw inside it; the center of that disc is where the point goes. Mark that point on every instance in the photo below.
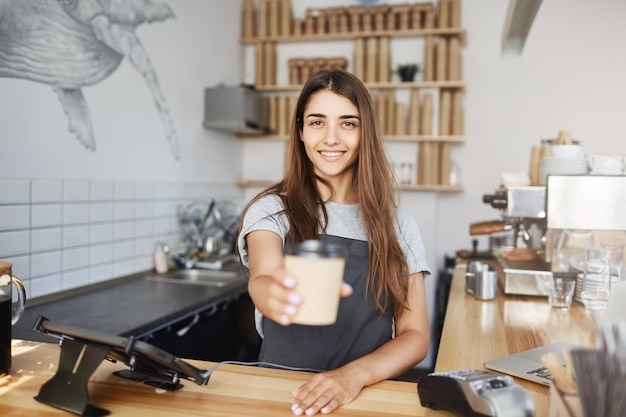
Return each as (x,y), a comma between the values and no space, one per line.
(71,44)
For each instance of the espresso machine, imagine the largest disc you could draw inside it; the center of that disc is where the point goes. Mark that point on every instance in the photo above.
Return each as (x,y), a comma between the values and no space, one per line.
(554,224)
(523,213)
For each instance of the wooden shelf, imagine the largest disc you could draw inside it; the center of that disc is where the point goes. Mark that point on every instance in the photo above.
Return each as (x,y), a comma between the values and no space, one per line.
(353,35)
(387,138)
(401,187)
(436,52)
(374,86)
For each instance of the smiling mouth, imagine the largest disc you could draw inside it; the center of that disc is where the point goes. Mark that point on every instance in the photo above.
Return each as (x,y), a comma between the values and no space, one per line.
(331,154)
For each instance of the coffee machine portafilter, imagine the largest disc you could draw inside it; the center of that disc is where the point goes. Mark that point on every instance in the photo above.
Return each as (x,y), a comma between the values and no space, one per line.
(523,208)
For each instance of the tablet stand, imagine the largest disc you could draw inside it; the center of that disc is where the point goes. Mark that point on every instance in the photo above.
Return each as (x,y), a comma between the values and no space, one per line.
(67,389)
(82,350)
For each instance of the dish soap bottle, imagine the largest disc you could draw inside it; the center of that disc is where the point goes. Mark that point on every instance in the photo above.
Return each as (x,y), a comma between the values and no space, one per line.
(161,256)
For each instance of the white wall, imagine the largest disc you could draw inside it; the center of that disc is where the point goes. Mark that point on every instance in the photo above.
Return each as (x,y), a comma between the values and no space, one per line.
(71,217)
(198,48)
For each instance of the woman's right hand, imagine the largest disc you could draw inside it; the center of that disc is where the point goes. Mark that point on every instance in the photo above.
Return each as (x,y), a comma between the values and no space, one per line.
(271,288)
(281,300)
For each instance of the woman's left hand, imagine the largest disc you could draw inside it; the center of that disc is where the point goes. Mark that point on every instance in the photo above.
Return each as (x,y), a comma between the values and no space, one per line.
(326,392)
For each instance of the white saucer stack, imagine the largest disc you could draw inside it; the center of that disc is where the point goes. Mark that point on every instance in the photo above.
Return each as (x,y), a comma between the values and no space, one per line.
(594,282)
(561,166)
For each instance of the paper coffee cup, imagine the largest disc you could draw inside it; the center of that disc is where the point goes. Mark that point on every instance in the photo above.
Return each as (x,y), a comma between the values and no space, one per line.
(318,270)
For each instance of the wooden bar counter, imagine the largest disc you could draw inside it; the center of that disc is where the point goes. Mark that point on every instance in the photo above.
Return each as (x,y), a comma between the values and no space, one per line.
(474,331)
(232,391)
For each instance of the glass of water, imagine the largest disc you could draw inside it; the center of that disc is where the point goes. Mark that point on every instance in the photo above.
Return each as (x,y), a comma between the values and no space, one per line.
(561,292)
(601,272)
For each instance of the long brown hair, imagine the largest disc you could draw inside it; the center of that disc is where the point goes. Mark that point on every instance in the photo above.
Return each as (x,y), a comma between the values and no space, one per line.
(373,186)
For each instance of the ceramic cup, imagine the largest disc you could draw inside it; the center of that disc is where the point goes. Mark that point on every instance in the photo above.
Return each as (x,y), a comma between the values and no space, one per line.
(10,311)
(318,270)
(605,164)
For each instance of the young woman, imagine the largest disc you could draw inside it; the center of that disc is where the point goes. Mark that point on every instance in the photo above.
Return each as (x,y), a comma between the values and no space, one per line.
(339,187)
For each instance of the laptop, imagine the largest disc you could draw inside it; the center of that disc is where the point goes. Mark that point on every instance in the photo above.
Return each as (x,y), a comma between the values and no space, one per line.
(527,365)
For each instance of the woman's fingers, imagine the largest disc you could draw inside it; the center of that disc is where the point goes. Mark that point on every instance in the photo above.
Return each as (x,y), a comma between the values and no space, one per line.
(285,301)
(346,290)
(322,394)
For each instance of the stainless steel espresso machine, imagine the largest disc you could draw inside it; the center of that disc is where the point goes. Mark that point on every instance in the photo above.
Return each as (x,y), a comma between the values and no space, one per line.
(556,224)
(523,212)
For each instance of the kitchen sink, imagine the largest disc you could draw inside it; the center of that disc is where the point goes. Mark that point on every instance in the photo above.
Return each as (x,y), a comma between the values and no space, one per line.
(209,277)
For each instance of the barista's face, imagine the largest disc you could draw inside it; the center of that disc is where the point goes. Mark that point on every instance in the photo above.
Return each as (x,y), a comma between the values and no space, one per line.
(331,134)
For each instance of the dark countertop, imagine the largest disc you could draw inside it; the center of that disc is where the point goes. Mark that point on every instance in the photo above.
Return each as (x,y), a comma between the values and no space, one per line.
(127,306)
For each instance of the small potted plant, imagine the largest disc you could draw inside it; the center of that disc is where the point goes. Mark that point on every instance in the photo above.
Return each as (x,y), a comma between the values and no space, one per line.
(407,71)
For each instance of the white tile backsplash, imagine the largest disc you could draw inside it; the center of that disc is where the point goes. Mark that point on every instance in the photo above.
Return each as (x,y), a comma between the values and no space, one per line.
(177,192)
(14,191)
(144,209)
(63,234)
(99,233)
(160,226)
(144,191)
(75,258)
(76,213)
(124,211)
(14,217)
(143,263)
(124,190)
(46,239)
(46,215)
(74,279)
(163,208)
(144,246)
(124,230)
(75,236)
(45,285)
(101,212)
(46,191)
(106,272)
(100,254)
(162,190)
(14,243)
(102,190)
(124,250)
(46,263)
(144,228)
(75,190)
(121,268)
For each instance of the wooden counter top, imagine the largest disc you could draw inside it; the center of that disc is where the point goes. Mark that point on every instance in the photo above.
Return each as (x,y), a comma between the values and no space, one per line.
(475,331)
(232,391)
